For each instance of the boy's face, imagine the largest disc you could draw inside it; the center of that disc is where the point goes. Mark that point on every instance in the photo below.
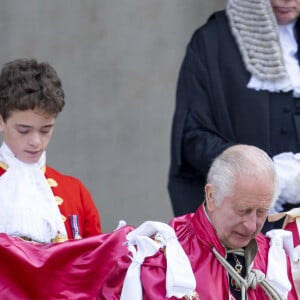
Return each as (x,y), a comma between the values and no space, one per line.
(27,133)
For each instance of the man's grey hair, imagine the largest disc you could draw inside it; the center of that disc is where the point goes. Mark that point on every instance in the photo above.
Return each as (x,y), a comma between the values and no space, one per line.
(239,161)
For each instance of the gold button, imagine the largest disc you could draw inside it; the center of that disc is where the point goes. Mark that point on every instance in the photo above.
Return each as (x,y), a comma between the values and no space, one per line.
(59,200)
(52,182)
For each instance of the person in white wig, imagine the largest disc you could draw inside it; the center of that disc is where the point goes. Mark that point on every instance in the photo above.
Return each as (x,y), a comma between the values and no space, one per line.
(218,252)
(239,83)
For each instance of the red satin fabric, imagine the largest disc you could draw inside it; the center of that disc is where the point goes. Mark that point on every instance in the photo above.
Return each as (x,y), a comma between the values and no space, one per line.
(95,267)
(70,270)
(197,237)
(296,235)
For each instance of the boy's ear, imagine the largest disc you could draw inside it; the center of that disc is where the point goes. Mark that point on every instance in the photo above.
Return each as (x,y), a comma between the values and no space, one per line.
(1,123)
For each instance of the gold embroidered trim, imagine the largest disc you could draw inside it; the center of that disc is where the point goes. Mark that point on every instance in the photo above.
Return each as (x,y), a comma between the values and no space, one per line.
(3,165)
(59,239)
(195,296)
(43,168)
(159,242)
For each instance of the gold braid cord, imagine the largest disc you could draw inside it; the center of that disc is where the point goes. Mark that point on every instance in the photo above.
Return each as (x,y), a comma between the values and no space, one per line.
(253,278)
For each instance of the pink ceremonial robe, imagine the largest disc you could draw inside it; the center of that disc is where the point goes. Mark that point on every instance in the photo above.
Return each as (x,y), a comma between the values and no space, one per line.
(95,267)
(294,229)
(197,237)
(70,270)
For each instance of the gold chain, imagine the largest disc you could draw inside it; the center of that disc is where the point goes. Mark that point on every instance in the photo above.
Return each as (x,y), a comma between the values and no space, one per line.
(238,267)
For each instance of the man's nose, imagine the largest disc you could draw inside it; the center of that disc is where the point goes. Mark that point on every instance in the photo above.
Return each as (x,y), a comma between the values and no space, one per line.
(250,222)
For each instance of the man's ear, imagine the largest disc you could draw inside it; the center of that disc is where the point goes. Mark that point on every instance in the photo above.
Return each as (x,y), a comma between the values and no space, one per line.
(209,197)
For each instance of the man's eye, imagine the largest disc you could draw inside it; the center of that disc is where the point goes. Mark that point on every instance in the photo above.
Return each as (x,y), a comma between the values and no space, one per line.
(261,212)
(243,212)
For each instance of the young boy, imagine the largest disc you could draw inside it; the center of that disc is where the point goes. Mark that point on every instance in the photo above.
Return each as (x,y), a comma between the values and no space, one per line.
(37,202)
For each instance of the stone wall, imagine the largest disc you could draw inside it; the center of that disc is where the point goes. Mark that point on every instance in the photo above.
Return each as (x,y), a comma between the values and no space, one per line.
(118,61)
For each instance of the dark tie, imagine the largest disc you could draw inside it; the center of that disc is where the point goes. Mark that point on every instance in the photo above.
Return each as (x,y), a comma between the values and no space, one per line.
(238,263)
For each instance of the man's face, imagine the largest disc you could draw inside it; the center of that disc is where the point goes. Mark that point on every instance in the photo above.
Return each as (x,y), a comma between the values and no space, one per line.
(27,134)
(240,217)
(285,11)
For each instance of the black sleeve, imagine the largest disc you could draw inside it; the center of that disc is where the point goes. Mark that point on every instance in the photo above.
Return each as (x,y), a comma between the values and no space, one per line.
(202,140)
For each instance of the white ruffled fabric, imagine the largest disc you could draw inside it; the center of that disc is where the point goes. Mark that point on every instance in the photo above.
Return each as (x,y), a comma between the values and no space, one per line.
(287,165)
(281,242)
(296,271)
(289,49)
(27,204)
(290,216)
(180,279)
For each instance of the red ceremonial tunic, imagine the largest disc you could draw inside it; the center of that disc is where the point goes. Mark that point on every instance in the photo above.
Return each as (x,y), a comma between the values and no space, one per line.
(72,198)
(197,237)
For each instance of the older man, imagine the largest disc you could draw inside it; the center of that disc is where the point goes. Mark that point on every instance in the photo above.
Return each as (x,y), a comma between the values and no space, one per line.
(227,253)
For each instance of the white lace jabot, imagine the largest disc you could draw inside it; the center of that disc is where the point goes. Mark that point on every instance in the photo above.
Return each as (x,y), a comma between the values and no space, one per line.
(291,82)
(27,204)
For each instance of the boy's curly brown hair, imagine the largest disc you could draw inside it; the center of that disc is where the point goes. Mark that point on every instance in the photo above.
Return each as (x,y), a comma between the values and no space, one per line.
(26,84)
